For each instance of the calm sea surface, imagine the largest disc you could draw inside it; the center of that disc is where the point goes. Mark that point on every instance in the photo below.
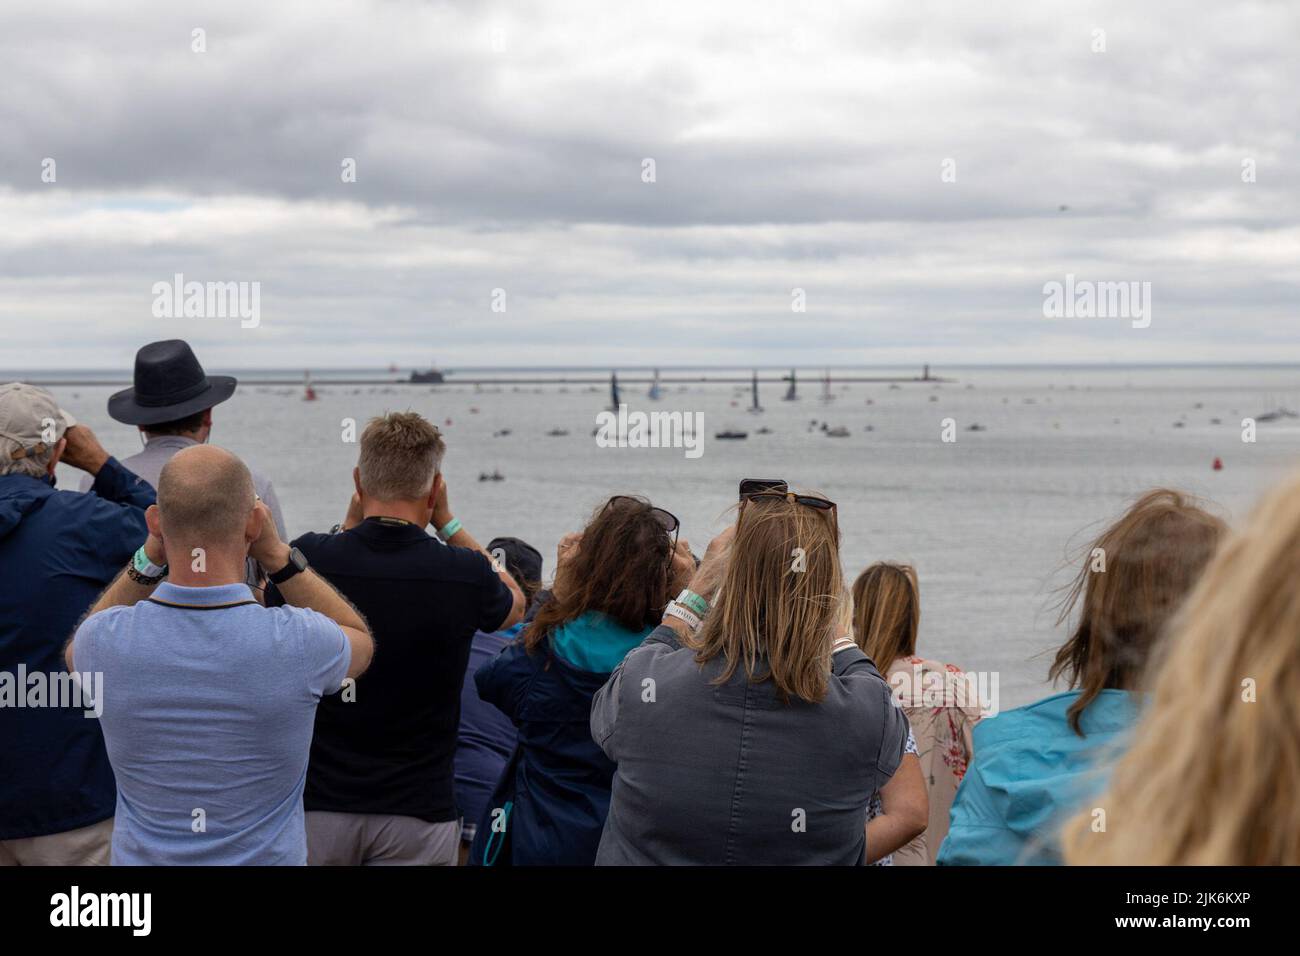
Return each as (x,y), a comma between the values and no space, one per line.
(993,522)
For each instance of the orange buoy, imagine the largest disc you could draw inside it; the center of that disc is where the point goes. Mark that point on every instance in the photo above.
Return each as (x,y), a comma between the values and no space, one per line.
(1218,464)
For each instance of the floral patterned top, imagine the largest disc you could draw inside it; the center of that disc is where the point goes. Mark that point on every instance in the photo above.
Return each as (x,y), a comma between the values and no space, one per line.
(942,706)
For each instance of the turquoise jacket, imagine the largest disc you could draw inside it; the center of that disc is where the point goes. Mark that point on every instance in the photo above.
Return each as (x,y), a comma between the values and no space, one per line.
(1030,773)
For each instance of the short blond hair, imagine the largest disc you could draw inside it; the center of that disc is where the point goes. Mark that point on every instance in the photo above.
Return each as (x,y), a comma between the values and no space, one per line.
(401,453)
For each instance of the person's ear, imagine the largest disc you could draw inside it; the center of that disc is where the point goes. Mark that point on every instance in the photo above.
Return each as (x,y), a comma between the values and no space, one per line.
(205,430)
(253,526)
(153,519)
(356,481)
(58,453)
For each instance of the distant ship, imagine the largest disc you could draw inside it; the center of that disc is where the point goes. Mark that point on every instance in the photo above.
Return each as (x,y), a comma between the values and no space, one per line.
(428,376)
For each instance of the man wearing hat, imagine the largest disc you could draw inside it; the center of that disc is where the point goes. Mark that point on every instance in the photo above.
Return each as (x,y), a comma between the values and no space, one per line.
(171,401)
(58,550)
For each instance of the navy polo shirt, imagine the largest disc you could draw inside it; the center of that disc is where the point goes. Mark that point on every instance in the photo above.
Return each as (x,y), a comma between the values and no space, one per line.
(388,745)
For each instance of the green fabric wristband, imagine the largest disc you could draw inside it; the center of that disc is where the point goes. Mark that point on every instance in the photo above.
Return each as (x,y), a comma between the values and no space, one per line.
(693,601)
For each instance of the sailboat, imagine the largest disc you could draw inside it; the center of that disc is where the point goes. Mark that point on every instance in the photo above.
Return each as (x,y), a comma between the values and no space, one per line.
(826,387)
(309,393)
(790,395)
(613,391)
(755,407)
(653,394)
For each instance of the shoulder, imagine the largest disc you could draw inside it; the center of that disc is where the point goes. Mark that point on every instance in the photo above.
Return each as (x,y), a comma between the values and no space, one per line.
(107,621)
(1036,722)
(456,556)
(296,622)
(313,542)
(661,646)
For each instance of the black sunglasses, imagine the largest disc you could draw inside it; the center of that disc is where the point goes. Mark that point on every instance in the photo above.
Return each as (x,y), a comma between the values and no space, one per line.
(808,501)
(665,518)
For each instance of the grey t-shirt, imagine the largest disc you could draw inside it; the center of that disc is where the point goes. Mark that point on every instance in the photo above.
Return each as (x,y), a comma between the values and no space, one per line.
(730,774)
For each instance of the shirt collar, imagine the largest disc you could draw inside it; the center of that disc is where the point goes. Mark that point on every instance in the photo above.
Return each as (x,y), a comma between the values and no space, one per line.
(389,529)
(169,593)
(169,441)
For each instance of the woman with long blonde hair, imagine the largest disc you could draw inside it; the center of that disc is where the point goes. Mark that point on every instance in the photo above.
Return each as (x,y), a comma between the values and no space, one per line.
(1214,765)
(749,728)
(1034,766)
(941,706)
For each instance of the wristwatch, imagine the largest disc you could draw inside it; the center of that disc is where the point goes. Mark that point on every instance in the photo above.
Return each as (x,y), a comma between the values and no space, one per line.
(297,564)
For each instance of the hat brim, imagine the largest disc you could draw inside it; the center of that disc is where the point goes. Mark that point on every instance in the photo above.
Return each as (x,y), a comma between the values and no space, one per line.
(123,407)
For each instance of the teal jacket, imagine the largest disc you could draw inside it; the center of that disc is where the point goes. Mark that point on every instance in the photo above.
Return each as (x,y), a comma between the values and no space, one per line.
(1030,773)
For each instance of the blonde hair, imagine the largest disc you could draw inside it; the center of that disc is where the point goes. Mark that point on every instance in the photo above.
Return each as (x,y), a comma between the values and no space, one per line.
(1152,556)
(1215,760)
(779,609)
(400,454)
(886,612)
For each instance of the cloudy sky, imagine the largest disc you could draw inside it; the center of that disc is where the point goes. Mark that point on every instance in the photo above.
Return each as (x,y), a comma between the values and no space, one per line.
(904,164)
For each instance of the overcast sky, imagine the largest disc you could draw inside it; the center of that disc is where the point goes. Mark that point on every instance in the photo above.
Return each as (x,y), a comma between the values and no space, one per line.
(797,145)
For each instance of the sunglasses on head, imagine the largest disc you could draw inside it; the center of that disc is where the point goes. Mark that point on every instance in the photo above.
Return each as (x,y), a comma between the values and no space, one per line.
(665,518)
(808,501)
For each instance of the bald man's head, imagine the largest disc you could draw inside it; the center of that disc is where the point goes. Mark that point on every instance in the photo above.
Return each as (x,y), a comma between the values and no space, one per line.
(205,495)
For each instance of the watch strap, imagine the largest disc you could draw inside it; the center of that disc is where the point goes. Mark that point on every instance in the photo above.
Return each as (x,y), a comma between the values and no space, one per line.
(297,564)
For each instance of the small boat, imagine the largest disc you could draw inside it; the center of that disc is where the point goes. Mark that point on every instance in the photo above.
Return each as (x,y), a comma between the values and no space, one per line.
(790,395)
(838,432)
(557,432)
(501,434)
(976,427)
(309,393)
(1218,464)
(731,435)
(495,476)
(1276,415)
(764,431)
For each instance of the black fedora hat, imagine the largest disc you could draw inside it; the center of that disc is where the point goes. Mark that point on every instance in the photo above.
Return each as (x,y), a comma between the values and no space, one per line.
(169,384)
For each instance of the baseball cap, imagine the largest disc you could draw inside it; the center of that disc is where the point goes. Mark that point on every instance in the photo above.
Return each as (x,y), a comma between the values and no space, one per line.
(522,560)
(31,421)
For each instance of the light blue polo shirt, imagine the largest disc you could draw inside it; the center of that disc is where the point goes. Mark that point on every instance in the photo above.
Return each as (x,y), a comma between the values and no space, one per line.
(209,701)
